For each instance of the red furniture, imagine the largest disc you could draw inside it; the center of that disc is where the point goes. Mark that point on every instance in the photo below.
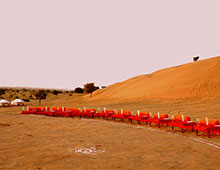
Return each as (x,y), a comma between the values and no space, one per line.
(31,110)
(88,113)
(159,119)
(121,114)
(105,114)
(183,122)
(209,126)
(43,111)
(60,112)
(27,112)
(73,112)
(139,117)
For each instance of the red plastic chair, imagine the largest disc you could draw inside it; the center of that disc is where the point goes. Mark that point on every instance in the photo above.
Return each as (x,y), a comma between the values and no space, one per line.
(89,113)
(139,117)
(43,111)
(73,112)
(28,111)
(209,126)
(183,122)
(159,119)
(121,114)
(105,114)
(60,112)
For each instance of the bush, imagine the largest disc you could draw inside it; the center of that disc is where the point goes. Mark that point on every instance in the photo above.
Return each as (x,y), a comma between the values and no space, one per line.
(2,91)
(40,95)
(48,91)
(90,88)
(78,90)
(31,97)
(56,92)
(26,100)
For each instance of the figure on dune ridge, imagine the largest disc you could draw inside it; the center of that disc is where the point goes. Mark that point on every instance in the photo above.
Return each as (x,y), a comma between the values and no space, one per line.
(195,58)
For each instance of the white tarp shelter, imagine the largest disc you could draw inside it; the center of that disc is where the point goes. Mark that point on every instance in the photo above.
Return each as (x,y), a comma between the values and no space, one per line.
(4,102)
(18,102)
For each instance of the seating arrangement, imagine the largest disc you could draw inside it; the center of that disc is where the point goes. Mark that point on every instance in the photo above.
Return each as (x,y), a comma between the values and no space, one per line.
(121,114)
(105,114)
(183,122)
(139,117)
(87,113)
(159,119)
(73,112)
(210,126)
(204,125)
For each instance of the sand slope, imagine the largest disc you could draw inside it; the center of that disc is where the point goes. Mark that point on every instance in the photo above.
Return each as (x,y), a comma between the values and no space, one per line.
(196,79)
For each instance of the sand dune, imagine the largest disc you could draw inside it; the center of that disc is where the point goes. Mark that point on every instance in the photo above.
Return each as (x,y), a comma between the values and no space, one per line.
(199,79)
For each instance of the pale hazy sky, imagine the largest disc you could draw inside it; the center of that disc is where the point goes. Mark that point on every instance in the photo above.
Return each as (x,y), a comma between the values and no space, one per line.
(67,43)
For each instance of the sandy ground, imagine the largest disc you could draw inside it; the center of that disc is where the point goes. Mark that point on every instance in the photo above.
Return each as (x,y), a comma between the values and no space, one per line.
(40,142)
(195,79)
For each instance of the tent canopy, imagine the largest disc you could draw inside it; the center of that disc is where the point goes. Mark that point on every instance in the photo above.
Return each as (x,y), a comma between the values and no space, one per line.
(17,101)
(4,101)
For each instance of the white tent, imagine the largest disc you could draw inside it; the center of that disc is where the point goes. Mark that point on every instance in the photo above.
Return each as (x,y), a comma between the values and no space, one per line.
(4,102)
(18,102)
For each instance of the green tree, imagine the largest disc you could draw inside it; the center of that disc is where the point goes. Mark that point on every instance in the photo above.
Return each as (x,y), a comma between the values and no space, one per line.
(2,91)
(56,92)
(78,90)
(90,88)
(40,95)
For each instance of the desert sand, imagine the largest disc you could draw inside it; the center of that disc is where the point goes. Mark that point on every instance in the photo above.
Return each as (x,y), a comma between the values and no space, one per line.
(40,142)
(199,79)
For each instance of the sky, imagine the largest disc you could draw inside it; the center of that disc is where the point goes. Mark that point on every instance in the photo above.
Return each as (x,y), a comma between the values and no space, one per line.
(67,43)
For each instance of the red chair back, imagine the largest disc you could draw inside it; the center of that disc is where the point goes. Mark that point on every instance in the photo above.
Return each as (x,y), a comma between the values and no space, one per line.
(143,114)
(107,111)
(162,116)
(46,108)
(62,109)
(54,108)
(38,109)
(124,112)
(74,110)
(211,122)
(181,117)
(89,111)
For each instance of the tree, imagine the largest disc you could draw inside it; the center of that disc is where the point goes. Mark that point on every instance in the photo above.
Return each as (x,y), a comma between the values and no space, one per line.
(40,95)
(89,88)
(78,90)
(2,91)
(195,58)
(56,92)
(48,91)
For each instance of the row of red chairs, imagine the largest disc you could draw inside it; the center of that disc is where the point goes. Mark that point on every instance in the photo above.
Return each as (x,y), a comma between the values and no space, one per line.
(209,126)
